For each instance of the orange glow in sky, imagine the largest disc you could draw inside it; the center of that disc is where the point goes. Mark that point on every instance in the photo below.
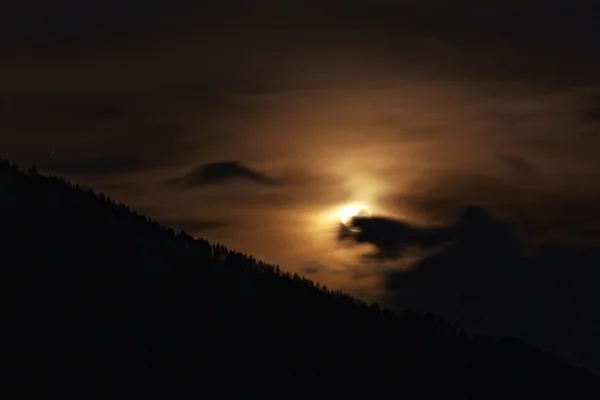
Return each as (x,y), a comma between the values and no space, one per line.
(350,211)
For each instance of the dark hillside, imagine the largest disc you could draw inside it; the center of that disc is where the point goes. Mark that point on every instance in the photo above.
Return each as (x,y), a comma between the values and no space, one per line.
(98,297)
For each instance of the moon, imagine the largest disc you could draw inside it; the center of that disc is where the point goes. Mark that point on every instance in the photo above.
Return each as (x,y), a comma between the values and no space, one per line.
(354,210)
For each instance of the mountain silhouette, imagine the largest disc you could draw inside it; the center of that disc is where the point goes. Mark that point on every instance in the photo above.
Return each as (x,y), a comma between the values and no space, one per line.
(98,297)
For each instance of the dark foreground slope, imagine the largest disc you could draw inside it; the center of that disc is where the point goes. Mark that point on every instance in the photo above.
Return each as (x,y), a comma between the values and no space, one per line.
(97,297)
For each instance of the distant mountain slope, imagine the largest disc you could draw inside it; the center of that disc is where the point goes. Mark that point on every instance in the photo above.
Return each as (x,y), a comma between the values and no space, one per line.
(97,296)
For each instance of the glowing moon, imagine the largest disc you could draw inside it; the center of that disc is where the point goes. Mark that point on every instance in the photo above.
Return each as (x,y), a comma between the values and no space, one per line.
(354,210)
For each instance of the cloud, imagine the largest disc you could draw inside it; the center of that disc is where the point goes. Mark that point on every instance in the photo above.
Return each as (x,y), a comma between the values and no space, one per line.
(516,189)
(108,137)
(473,32)
(562,207)
(221,172)
(391,236)
(486,279)
(79,124)
(312,268)
(68,24)
(99,111)
(87,106)
(518,164)
(592,114)
(588,110)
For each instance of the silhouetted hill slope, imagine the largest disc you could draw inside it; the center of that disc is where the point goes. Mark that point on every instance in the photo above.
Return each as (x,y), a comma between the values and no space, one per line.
(99,297)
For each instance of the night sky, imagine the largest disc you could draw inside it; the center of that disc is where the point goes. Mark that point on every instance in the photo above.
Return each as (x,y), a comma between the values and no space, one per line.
(257,124)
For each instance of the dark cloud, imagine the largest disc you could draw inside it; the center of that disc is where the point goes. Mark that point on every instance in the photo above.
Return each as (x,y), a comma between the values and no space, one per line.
(442,199)
(82,126)
(400,31)
(312,268)
(588,111)
(68,24)
(140,145)
(358,273)
(541,207)
(98,111)
(593,114)
(391,236)
(487,280)
(518,164)
(74,108)
(520,192)
(89,106)
(221,172)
